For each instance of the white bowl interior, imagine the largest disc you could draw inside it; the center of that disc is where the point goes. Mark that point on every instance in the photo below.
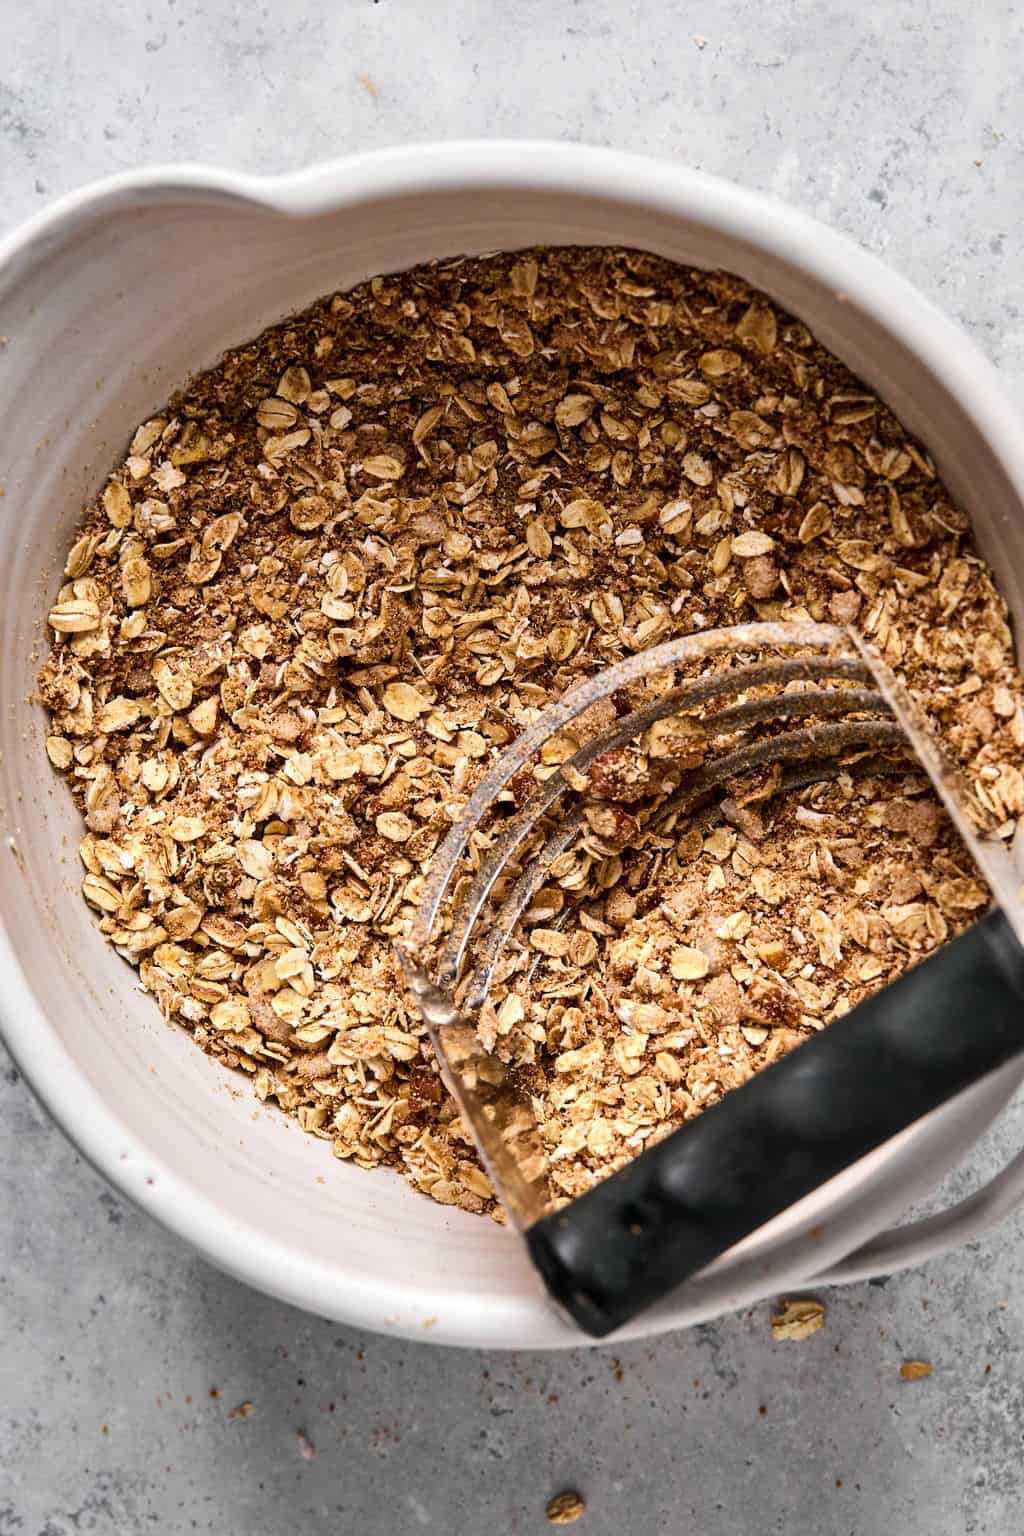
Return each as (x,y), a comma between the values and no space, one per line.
(105,313)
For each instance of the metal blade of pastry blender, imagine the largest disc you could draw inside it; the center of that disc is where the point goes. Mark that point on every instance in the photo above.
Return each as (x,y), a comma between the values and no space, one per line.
(992,857)
(492,1099)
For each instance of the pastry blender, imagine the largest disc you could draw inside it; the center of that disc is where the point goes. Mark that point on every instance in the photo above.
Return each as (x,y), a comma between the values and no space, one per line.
(800,702)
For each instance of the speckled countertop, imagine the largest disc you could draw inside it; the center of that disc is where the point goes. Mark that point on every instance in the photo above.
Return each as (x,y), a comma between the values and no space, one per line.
(124,1358)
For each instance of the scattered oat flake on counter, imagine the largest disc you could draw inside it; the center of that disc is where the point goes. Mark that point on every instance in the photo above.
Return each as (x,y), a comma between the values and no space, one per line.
(915,1370)
(307,1450)
(566,1507)
(243,1411)
(798,1320)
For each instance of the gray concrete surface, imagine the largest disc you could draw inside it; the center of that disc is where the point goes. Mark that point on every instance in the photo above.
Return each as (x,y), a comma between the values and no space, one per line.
(124,1358)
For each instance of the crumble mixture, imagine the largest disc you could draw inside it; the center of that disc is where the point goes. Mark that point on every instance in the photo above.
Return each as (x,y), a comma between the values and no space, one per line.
(350,562)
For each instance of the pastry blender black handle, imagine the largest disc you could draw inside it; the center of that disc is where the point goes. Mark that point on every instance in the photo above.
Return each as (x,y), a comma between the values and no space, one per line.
(642,1231)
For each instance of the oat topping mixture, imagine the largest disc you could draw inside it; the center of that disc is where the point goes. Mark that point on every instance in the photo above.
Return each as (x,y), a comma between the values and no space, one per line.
(353,560)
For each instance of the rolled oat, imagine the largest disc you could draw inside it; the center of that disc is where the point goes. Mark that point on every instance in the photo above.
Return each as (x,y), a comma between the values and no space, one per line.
(350,562)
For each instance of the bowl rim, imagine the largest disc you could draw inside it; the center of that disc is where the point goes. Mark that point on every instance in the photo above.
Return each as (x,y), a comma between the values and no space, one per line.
(347,182)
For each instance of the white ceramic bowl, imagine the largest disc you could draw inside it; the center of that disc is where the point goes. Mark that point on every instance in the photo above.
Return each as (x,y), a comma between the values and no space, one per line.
(108,300)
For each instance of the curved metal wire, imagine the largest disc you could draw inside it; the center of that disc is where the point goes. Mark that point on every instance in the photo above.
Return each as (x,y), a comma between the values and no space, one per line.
(659,658)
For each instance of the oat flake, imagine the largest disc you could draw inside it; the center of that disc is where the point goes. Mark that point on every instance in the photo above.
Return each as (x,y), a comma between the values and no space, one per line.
(347,565)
